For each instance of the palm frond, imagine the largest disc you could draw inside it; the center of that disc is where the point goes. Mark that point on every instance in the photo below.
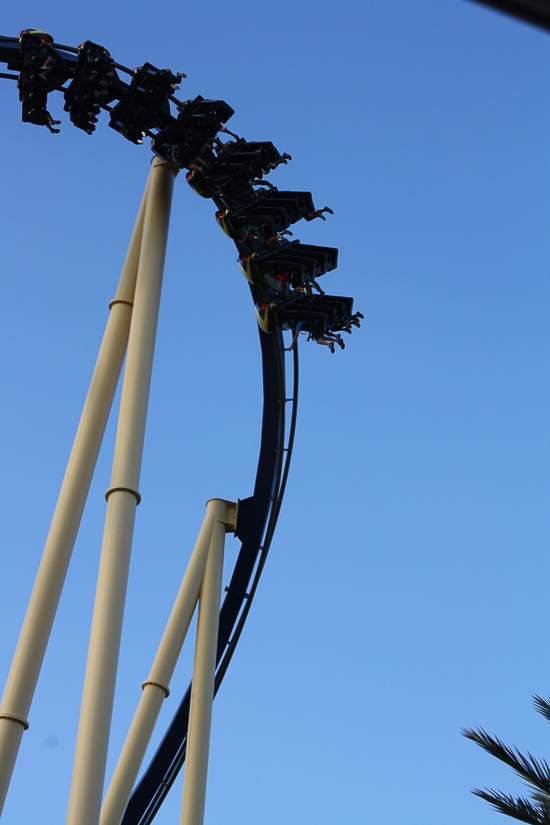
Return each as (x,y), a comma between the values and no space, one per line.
(518,808)
(542,705)
(542,799)
(535,772)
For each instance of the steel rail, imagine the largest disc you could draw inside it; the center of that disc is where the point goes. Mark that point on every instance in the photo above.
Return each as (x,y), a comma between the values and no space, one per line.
(170,755)
(273,517)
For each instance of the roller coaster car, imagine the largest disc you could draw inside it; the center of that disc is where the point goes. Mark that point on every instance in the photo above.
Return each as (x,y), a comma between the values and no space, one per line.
(183,148)
(299,262)
(231,192)
(145,103)
(42,70)
(318,317)
(258,225)
(312,261)
(225,192)
(254,158)
(278,210)
(227,178)
(190,137)
(337,307)
(207,115)
(95,83)
(256,264)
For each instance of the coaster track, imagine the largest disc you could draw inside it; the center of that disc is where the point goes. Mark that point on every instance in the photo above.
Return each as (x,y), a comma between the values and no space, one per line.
(249,209)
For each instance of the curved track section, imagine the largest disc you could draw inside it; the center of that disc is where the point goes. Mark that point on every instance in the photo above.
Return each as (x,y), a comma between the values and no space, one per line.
(256,521)
(280,273)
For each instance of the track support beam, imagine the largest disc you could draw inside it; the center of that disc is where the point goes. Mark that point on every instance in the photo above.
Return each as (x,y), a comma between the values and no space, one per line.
(202,692)
(35,633)
(156,687)
(123,497)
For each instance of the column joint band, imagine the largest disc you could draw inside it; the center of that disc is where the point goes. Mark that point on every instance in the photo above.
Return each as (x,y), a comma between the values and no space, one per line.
(120,301)
(157,684)
(123,490)
(15,718)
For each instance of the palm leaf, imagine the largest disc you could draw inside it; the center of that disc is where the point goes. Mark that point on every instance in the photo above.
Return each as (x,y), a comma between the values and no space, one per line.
(518,808)
(542,705)
(535,772)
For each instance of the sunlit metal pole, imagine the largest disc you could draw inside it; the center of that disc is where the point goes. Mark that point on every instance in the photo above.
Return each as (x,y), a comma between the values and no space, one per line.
(202,693)
(156,688)
(122,499)
(51,575)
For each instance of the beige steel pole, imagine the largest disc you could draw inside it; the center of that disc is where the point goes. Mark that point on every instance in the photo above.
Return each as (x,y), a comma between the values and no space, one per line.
(122,499)
(156,688)
(51,575)
(202,693)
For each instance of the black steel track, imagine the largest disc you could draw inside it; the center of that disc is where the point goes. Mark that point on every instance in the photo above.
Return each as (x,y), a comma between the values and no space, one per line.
(257,518)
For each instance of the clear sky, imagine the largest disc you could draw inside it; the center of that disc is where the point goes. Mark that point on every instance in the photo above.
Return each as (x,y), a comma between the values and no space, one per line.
(406,592)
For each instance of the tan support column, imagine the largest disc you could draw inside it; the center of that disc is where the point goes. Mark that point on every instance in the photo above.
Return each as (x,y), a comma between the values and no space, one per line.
(156,688)
(122,497)
(202,693)
(51,575)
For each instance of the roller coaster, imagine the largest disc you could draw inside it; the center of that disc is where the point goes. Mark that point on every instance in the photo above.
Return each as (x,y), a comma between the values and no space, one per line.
(282,277)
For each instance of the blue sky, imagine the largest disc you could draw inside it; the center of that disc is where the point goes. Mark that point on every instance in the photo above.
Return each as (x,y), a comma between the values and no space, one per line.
(405,595)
